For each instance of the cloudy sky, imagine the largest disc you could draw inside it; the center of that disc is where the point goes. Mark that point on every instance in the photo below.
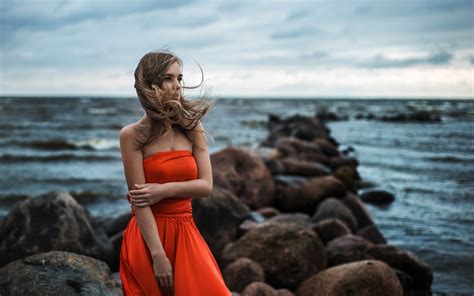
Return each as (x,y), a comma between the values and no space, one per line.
(378,48)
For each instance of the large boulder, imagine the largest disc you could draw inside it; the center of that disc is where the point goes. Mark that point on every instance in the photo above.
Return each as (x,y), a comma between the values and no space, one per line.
(288,253)
(263,289)
(347,248)
(377,197)
(372,234)
(333,208)
(363,278)
(243,172)
(241,273)
(58,273)
(358,209)
(218,218)
(405,261)
(52,221)
(305,197)
(330,229)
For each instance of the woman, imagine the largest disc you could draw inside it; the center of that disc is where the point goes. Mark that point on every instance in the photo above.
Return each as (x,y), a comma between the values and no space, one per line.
(166,164)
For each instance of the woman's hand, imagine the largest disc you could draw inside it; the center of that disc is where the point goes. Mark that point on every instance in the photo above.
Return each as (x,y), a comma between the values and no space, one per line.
(164,274)
(148,194)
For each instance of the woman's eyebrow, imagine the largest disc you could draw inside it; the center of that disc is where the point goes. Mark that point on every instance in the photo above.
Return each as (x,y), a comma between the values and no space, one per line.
(173,75)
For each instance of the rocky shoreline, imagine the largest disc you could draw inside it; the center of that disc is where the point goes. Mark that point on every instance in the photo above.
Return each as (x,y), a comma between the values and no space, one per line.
(285,219)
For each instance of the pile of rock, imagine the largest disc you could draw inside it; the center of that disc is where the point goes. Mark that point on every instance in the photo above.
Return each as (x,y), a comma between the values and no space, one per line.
(285,219)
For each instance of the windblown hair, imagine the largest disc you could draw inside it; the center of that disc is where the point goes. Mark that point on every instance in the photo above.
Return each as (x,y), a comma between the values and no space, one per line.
(161,105)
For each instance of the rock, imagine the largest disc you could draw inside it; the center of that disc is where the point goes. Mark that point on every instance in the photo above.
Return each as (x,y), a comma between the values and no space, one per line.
(337,162)
(347,248)
(303,150)
(297,126)
(325,116)
(372,234)
(300,219)
(333,208)
(58,273)
(406,261)
(52,221)
(288,253)
(305,197)
(330,229)
(364,278)
(242,171)
(377,197)
(289,180)
(263,289)
(326,146)
(358,210)
(268,212)
(416,116)
(293,166)
(116,225)
(242,272)
(218,218)
(348,175)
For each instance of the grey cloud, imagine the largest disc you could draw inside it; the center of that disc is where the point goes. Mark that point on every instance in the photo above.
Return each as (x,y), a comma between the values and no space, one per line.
(380,61)
(295,33)
(471,59)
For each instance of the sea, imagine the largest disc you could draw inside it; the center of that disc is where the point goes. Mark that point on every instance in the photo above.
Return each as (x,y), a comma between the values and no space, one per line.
(71,144)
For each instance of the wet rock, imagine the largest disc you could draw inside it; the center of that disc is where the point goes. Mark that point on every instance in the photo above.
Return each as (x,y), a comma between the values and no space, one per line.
(406,261)
(116,225)
(364,278)
(52,221)
(333,208)
(218,218)
(329,229)
(243,172)
(372,234)
(300,219)
(58,273)
(377,197)
(263,289)
(288,253)
(416,116)
(293,166)
(305,197)
(301,127)
(241,273)
(348,175)
(268,212)
(347,248)
(358,209)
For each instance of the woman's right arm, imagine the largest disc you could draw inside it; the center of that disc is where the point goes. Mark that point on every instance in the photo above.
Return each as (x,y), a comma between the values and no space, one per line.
(133,166)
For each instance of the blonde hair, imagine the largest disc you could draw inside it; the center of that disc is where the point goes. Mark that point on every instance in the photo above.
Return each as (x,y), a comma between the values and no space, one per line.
(164,111)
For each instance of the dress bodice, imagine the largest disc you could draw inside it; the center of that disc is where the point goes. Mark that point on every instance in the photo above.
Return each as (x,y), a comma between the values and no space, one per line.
(170,166)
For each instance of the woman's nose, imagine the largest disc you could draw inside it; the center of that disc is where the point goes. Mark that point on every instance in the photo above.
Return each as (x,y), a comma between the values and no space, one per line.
(177,84)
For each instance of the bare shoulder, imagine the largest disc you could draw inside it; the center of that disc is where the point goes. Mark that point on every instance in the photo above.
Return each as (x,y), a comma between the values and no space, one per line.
(127,135)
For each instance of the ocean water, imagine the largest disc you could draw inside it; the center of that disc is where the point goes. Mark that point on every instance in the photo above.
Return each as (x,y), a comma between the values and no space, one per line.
(72,144)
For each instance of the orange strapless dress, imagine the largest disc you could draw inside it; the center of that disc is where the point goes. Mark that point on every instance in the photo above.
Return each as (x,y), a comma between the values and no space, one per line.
(195,270)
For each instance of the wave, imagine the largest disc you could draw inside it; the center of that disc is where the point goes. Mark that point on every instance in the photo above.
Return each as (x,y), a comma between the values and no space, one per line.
(61,144)
(11,158)
(449,159)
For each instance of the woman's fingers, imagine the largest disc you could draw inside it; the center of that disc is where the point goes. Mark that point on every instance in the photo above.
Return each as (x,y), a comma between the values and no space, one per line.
(169,285)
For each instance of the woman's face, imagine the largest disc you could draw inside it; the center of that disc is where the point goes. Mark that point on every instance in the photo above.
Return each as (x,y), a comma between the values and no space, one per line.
(172,79)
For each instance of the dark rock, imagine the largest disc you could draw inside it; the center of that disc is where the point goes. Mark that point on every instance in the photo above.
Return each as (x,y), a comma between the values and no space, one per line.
(243,172)
(416,116)
(333,208)
(52,221)
(330,229)
(263,289)
(241,273)
(116,225)
(372,234)
(218,218)
(304,198)
(288,253)
(347,248)
(406,261)
(58,273)
(358,209)
(377,197)
(293,166)
(364,278)
(268,212)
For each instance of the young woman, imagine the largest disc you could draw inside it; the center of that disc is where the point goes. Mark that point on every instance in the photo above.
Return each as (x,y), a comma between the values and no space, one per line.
(166,164)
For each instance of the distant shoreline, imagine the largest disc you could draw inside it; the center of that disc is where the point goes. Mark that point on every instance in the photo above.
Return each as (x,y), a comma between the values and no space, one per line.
(322,98)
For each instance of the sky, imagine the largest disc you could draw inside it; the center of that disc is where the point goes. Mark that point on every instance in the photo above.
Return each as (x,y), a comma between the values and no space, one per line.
(348,49)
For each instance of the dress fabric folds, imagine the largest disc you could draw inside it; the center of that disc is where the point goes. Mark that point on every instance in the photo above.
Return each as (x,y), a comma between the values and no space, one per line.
(195,270)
